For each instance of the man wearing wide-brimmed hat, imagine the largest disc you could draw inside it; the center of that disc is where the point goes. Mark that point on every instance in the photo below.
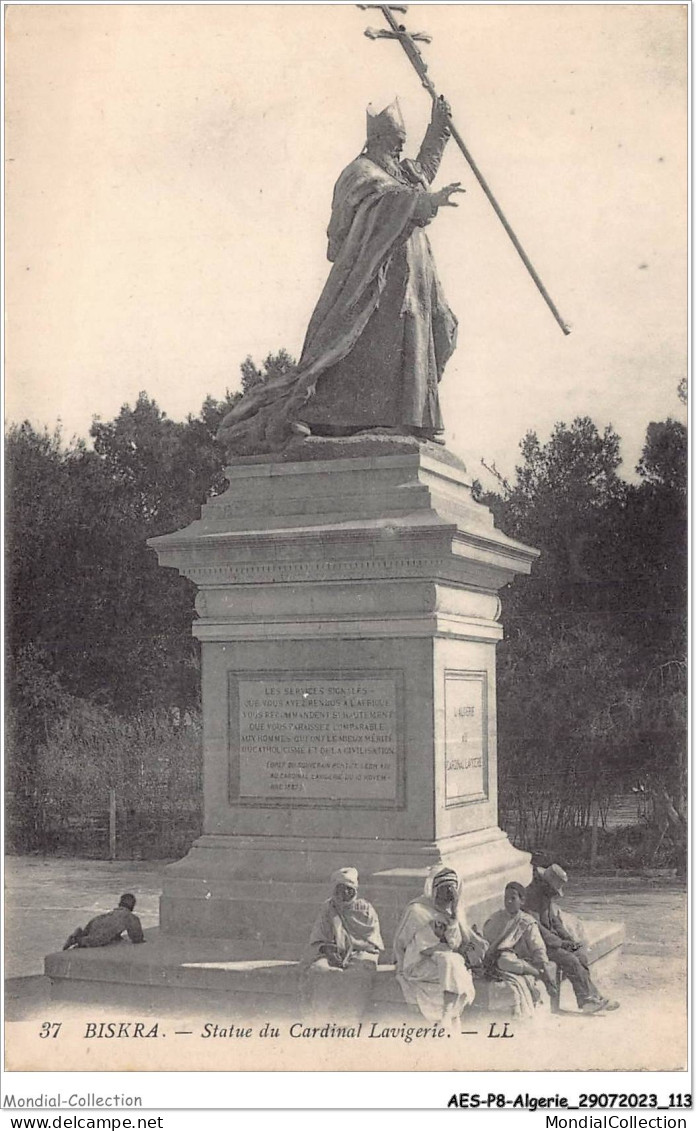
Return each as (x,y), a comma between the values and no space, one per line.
(564,947)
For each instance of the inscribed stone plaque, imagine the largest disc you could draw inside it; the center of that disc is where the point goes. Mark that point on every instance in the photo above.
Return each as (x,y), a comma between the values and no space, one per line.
(312,739)
(466,747)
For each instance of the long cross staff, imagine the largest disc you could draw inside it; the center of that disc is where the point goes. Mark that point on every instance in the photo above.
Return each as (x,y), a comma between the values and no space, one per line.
(408,42)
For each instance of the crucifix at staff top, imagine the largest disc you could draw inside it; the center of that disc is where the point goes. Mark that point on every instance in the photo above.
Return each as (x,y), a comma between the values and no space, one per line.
(409,42)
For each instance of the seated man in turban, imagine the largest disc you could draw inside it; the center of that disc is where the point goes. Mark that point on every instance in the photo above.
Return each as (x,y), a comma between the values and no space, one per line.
(344,949)
(432,948)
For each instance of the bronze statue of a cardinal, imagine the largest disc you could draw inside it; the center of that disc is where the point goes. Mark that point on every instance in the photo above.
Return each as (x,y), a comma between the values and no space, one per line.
(382,332)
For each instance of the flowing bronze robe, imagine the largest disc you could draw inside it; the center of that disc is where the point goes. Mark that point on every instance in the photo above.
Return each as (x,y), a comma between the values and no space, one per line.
(382,332)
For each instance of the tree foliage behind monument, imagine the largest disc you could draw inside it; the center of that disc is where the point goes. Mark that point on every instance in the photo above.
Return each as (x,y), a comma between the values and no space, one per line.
(592,673)
(92,623)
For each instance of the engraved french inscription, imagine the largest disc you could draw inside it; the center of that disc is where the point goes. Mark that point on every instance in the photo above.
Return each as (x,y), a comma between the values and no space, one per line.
(466,754)
(311,738)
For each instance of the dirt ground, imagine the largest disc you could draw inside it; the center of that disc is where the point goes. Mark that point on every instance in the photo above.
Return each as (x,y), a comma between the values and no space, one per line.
(47,898)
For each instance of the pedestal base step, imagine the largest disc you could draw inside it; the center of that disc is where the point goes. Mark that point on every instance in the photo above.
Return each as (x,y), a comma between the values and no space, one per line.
(214,976)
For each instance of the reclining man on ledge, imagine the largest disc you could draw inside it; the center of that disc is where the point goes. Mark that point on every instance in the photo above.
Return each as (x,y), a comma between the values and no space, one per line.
(517,956)
(562,936)
(109,928)
(344,947)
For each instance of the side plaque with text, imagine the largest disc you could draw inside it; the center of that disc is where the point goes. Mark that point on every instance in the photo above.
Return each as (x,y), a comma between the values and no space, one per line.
(308,739)
(466,738)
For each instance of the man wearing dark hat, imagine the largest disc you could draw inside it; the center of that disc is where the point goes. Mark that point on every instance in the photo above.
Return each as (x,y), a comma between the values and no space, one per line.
(566,951)
(109,928)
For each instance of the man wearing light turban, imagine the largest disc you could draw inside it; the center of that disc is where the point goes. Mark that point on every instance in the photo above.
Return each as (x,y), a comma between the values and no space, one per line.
(432,949)
(344,947)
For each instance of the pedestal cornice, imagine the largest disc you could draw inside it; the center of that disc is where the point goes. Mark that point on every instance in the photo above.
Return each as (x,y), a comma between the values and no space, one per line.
(363,518)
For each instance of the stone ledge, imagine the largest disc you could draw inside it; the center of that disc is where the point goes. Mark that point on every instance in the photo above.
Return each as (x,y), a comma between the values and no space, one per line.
(221,974)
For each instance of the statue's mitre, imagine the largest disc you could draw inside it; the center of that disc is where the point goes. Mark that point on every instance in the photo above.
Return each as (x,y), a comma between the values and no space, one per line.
(387,121)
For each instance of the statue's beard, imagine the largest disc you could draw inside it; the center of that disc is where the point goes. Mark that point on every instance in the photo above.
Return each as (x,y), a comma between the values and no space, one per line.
(389,161)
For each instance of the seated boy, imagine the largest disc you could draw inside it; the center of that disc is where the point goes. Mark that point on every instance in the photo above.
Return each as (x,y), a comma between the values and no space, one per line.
(517,955)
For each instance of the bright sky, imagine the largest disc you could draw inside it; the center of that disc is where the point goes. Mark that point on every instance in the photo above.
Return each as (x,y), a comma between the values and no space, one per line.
(170,170)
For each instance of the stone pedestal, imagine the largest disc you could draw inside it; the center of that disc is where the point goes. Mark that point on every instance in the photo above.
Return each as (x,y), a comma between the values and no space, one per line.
(348,614)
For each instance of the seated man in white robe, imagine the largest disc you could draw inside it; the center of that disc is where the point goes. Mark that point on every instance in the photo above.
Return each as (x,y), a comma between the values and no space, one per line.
(430,945)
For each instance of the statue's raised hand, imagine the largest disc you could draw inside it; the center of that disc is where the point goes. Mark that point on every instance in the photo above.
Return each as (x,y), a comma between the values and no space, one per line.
(442,197)
(442,112)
